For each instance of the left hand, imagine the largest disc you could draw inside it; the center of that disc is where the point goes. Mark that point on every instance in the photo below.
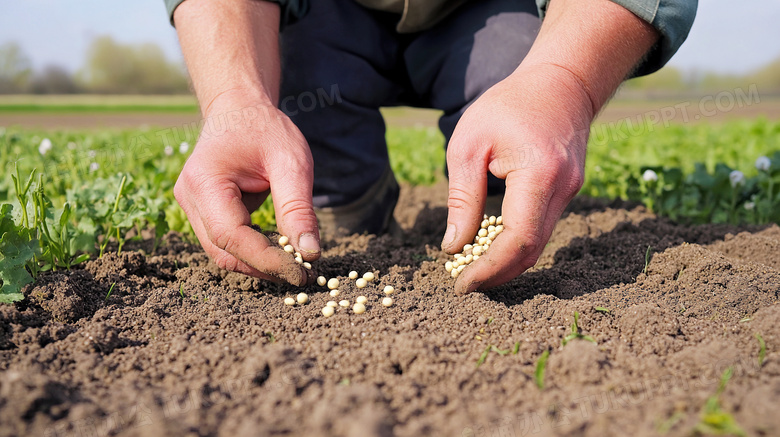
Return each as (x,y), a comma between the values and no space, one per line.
(531,129)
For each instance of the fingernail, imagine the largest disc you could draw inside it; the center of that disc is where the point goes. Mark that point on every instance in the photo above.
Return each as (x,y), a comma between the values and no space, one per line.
(449,236)
(308,243)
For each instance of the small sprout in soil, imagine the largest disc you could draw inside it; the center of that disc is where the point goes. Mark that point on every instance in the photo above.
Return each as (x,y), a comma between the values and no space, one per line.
(484,355)
(334,293)
(361,299)
(647,258)
(745,319)
(490,320)
(713,419)
(516,349)
(602,310)
(181,289)
(669,423)
(359,308)
(575,332)
(361,283)
(321,281)
(302,298)
(289,301)
(344,303)
(333,283)
(344,381)
(110,290)
(328,311)
(271,337)
(389,290)
(368,276)
(353,274)
(284,240)
(761,349)
(539,372)
(387,302)
(499,351)
(332,304)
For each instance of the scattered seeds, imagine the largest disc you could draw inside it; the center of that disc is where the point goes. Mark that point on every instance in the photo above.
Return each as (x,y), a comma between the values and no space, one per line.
(388,302)
(344,303)
(332,303)
(307,265)
(389,289)
(368,276)
(283,240)
(328,311)
(361,283)
(361,299)
(359,308)
(334,293)
(289,249)
(302,298)
(321,281)
(448,265)
(289,301)
(353,274)
(333,283)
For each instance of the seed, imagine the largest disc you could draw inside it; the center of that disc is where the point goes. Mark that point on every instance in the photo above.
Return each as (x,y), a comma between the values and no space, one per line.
(484,224)
(361,299)
(477,251)
(307,265)
(461,261)
(344,303)
(492,219)
(458,256)
(454,273)
(332,304)
(482,241)
(491,228)
(299,260)
(469,259)
(359,308)
(302,298)
(289,249)
(289,301)
(484,216)
(361,283)
(368,276)
(467,247)
(353,274)
(476,257)
(448,266)
(499,220)
(482,233)
(499,229)
(321,281)
(333,283)
(297,255)
(334,293)
(388,301)
(460,268)
(283,240)
(492,235)
(328,311)
(389,289)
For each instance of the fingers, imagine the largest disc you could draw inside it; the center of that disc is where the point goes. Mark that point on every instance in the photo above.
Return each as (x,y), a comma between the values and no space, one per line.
(466,198)
(532,205)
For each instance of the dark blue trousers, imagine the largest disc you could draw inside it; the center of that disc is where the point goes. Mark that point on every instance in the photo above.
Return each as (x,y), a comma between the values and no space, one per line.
(342,61)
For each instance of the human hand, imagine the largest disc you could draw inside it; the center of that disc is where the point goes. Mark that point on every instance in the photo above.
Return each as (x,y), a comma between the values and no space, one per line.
(228,176)
(530,129)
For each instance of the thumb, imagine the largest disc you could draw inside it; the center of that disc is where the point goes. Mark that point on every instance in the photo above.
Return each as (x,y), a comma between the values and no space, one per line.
(291,189)
(466,198)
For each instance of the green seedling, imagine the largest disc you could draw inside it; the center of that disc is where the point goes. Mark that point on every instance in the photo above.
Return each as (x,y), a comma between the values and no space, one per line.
(602,310)
(575,332)
(715,421)
(181,290)
(483,357)
(110,290)
(516,349)
(271,337)
(647,258)
(666,426)
(761,349)
(541,364)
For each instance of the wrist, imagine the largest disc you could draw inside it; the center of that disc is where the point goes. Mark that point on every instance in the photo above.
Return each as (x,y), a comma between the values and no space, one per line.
(571,93)
(236,99)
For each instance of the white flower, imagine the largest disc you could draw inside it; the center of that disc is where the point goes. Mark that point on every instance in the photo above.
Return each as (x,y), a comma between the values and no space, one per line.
(763,163)
(94,167)
(737,178)
(45,146)
(168,151)
(184,147)
(750,206)
(91,153)
(71,146)
(650,176)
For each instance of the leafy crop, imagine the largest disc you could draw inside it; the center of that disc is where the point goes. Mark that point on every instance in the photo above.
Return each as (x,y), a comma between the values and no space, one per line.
(575,332)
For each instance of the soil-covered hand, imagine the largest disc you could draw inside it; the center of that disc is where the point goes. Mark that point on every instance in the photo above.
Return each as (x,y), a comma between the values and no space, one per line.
(531,130)
(230,174)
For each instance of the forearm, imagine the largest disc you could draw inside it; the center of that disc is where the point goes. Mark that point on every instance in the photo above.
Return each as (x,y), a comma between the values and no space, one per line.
(231,48)
(597,42)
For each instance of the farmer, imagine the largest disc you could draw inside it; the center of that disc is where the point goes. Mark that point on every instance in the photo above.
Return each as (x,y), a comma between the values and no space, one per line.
(517,93)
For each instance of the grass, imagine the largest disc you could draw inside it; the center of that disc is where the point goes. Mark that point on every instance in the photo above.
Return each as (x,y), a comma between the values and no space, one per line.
(647,258)
(110,290)
(541,364)
(85,103)
(714,420)
(761,349)
(575,332)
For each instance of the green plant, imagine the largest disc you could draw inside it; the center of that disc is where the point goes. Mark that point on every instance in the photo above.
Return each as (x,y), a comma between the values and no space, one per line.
(575,332)
(491,348)
(110,290)
(761,349)
(17,250)
(715,421)
(541,364)
(647,258)
(602,310)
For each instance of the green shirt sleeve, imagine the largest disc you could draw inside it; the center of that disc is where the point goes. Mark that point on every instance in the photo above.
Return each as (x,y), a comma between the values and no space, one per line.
(671,18)
(291,9)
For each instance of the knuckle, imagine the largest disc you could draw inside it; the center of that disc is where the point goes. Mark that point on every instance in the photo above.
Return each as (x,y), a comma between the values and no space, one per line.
(459,198)
(225,261)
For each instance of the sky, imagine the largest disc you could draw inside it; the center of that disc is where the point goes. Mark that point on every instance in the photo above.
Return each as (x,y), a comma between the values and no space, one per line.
(727,36)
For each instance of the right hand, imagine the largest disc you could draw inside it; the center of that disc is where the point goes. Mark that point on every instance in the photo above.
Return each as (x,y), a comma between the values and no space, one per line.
(229,175)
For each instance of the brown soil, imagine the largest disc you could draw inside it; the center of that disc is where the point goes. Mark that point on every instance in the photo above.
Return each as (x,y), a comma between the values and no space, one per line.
(230,359)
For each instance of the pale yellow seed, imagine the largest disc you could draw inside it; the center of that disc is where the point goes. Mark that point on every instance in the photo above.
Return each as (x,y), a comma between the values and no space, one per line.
(344,303)
(332,304)
(307,265)
(283,240)
(297,255)
(333,283)
(299,260)
(454,273)
(361,299)
(368,276)
(482,233)
(460,268)
(482,241)
(499,220)
(302,298)
(484,224)
(359,308)
(321,281)
(461,261)
(469,259)
(476,257)
(389,288)
(334,293)
(328,311)
(387,302)
(492,219)
(484,216)
(491,228)
(499,229)
(492,235)
(289,249)
(361,283)
(467,247)
(353,274)
(477,251)
(448,266)
(289,301)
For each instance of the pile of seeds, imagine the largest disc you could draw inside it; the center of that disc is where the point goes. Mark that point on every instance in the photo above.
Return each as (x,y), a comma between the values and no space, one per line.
(488,231)
(333,285)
